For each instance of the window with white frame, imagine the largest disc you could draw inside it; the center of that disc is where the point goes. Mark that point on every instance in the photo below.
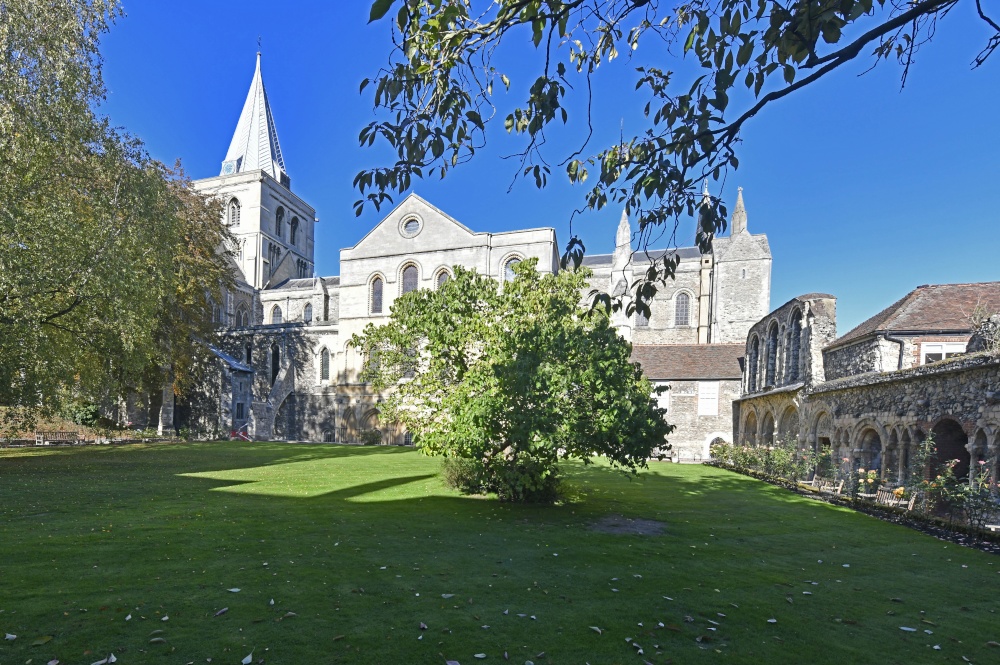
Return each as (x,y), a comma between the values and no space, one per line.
(935,351)
(708,398)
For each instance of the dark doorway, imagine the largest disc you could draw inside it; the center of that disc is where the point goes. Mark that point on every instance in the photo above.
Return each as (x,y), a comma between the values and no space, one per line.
(950,441)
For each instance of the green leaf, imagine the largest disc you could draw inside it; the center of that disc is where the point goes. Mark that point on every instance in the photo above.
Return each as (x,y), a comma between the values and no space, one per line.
(379,9)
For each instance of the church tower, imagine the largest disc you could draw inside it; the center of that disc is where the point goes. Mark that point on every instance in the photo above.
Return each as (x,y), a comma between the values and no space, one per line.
(274,228)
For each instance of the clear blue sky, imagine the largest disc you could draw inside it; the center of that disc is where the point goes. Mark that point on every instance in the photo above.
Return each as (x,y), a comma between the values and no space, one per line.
(864,191)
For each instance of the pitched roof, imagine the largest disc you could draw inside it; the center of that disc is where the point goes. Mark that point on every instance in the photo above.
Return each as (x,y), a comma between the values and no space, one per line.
(689,361)
(930,308)
(255,142)
(640,257)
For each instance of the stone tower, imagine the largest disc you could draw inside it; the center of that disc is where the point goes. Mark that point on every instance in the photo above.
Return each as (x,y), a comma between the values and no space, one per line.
(274,228)
(741,279)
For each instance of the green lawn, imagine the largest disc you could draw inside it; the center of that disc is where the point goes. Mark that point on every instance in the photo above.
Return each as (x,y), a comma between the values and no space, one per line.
(363,544)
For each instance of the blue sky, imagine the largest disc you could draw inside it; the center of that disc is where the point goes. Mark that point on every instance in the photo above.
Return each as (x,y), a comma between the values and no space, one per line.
(865,191)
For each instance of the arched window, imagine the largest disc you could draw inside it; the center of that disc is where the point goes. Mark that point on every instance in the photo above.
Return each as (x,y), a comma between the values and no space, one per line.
(307,313)
(377,295)
(752,365)
(279,222)
(793,347)
(233,214)
(409,278)
(242,317)
(772,355)
(324,365)
(275,315)
(508,268)
(249,353)
(641,319)
(275,362)
(442,277)
(682,310)
(293,230)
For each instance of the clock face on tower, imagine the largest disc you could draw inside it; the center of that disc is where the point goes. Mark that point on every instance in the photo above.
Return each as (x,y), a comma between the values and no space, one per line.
(229,167)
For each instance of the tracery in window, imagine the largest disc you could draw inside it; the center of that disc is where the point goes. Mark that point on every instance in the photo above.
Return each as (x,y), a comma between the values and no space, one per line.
(233,214)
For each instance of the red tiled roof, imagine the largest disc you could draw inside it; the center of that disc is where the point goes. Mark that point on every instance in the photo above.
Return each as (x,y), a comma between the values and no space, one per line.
(689,361)
(928,308)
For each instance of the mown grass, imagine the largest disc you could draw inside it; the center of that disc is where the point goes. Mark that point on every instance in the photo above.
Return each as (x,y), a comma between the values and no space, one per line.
(362,544)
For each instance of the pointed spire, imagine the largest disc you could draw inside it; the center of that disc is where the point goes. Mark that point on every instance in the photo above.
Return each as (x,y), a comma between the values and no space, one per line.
(623,238)
(738,224)
(255,142)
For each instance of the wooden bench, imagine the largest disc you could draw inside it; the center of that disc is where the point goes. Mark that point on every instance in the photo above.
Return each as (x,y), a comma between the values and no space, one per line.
(888,498)
(829,487)
(44,438)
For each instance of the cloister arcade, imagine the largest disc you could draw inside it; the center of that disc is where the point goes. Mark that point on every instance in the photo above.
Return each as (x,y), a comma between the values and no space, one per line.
(889,448)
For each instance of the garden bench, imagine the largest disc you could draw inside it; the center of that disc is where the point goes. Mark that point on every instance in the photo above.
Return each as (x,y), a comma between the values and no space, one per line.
(829,487)
(42,438)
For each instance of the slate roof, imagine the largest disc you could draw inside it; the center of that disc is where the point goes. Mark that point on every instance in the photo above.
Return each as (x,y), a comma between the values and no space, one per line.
(640,257)
(304,284)
(661,362)
(230,360)
(929,308)
(255,141)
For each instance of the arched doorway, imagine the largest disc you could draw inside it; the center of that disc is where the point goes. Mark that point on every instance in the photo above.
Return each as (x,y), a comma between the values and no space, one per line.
(893,472)
(951,441)
(275,362)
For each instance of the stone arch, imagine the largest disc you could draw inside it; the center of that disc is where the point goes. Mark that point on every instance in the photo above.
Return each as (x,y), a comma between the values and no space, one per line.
(370,423)
(507,263)
(871,448)
(753,360)
(767,430)
(980,452)
(951,442)
(710,440)
(771,350)
(788,425)
(242,316)
(284,419)
(349,427)
(750,429)
(822,432)
(442,275)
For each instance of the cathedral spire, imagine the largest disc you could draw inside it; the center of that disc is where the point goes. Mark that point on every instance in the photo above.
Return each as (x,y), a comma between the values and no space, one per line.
(255,142)
(738,224)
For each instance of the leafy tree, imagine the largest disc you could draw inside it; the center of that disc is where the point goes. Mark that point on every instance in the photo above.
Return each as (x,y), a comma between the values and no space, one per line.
(512,380)
(438,94)
(108,260)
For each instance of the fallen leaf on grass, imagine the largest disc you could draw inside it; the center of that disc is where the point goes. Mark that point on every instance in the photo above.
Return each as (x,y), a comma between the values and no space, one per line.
(289,615)
(452,662)
(772,621)
(52,662)
(337,638)
(247,660)
(128,618)
(993,644)
(44,639)
(157,640)
(480,656)
(447,595)
(165,619)
(10,637)
(597,630)
(221,612)
(908,629)
(233,590)
(423,626)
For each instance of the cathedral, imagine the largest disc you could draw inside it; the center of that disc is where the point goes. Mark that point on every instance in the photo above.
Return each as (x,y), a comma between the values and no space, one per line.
(288,371)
